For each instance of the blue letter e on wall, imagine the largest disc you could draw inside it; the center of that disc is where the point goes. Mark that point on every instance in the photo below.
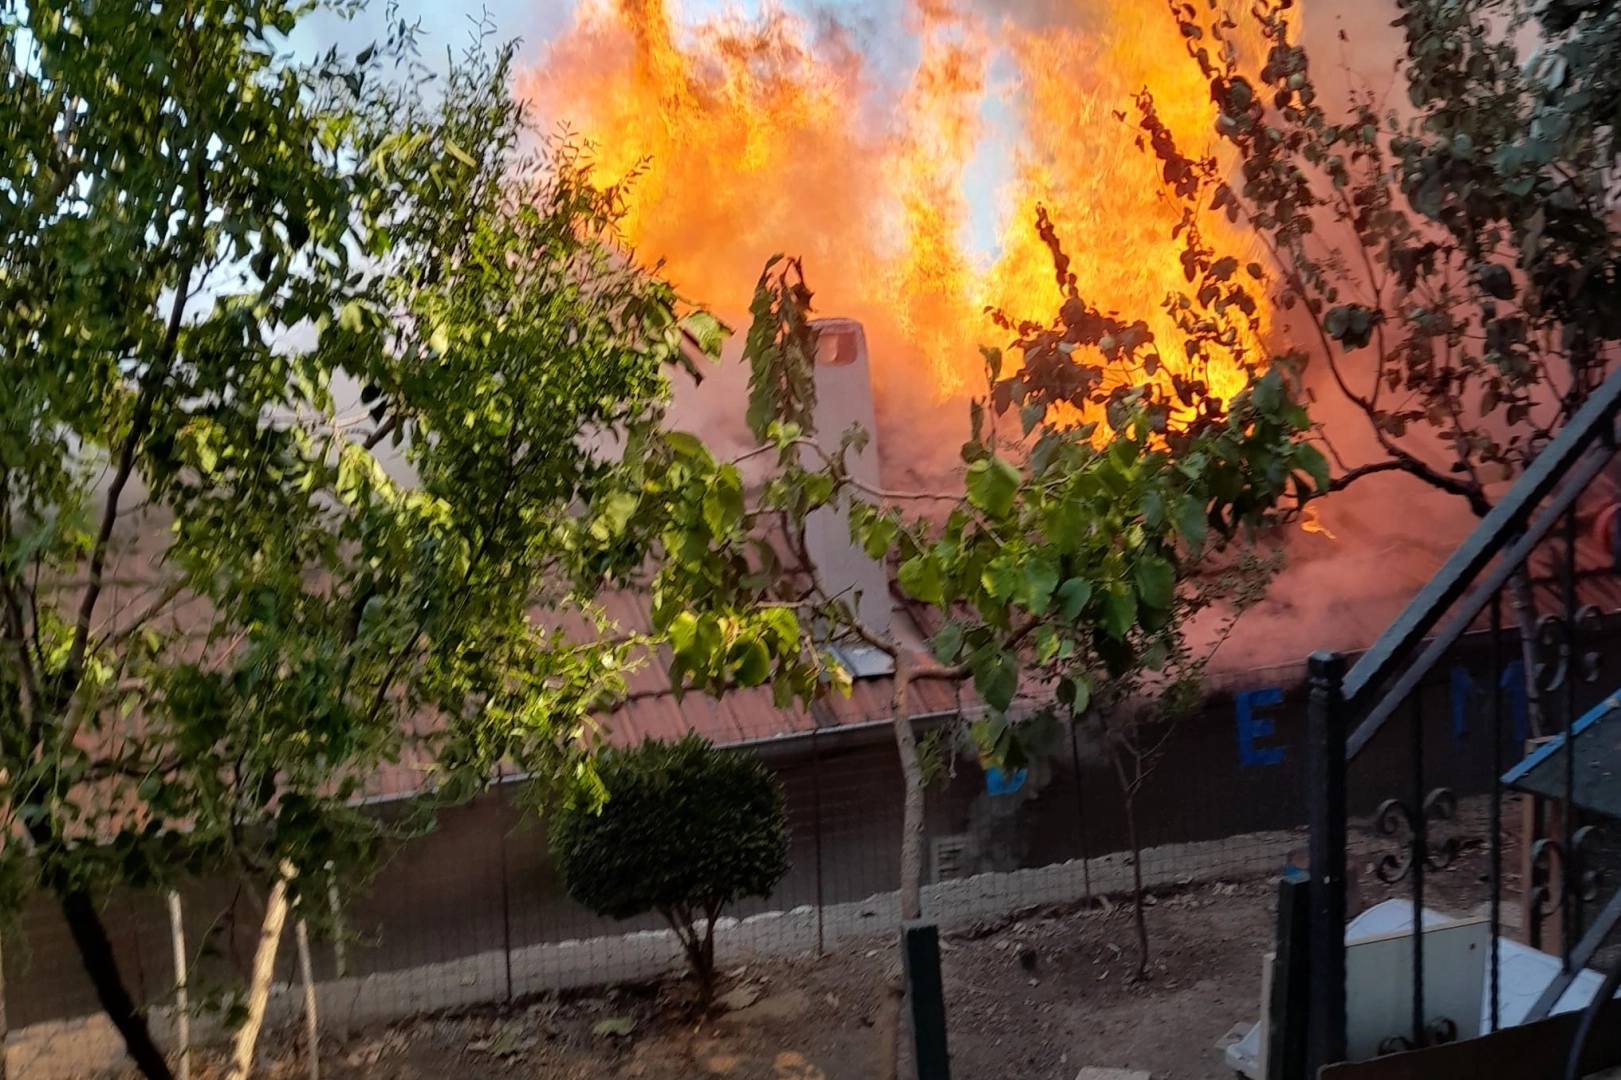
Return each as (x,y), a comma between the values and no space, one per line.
(1252,726)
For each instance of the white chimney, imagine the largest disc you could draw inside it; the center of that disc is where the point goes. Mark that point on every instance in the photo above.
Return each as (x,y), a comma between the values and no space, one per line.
(843,399)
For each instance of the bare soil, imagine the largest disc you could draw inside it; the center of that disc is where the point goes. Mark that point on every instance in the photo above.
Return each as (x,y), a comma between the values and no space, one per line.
(1030,997)
(1034,996)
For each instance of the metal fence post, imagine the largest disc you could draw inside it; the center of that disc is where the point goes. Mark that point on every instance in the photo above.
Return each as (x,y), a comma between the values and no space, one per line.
(925,996)
(816,812)
(506,885)
(1290,1001)
(1325,1043)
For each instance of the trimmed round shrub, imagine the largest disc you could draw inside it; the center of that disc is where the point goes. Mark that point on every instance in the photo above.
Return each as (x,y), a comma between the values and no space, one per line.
(685,830)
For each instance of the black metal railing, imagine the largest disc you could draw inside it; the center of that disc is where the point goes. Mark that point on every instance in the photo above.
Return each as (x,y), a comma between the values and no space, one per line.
(1531,549)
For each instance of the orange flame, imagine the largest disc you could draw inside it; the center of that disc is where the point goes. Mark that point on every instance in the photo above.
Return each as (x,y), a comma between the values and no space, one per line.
(1312,523)
(776,132)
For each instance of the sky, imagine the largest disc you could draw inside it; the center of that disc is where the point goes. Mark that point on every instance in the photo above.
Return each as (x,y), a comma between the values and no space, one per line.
(534,21)
(448,24)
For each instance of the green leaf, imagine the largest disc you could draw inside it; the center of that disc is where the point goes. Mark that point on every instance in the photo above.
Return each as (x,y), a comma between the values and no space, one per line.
(1119,610)
(709,332)
(723,502)
(1312,460)
(1000,578)
(751,662)
(207,457)
(615,514)
(1156,582)
(839,676)
(880,535)
(684,445)
(1083,694)
(1038,581)
(993,361)
(682,633)
(947,644)
(818,490)
(439,340)
(1072,597)
(921,578)
(783,624)
(1065,522)
(992,485)
(1075,692)
(1047,644)
(1153,510)
(351,317)
(1030,415)
(1192,521)
(996,678)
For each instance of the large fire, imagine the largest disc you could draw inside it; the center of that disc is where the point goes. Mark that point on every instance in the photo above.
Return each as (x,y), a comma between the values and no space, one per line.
(779,132)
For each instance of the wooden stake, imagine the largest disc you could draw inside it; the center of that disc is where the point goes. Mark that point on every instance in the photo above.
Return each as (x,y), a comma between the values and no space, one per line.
(182,1004)
(312,1034)
(340,952)
(264,967)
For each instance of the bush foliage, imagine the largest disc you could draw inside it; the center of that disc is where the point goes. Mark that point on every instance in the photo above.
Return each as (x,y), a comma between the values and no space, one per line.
(686,829)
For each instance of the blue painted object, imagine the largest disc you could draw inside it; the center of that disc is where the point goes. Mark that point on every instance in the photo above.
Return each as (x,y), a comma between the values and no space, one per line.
(1252,727)
(1513,681)
(999,783)
(1465,699)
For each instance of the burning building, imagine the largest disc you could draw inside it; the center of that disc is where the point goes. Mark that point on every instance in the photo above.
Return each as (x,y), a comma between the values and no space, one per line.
(879,147)
(744,136)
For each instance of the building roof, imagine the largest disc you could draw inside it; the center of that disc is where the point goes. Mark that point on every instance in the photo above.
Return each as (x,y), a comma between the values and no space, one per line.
(744,716)
(747,715)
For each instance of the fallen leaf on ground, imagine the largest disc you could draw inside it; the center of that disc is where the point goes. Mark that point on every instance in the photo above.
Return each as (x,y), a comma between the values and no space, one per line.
(740,997)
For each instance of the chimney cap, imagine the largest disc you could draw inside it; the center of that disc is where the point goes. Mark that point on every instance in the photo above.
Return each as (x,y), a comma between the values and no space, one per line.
(839,342)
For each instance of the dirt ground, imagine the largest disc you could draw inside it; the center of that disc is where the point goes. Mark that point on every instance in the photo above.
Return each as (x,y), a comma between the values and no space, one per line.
(1035,996)
(1028,998)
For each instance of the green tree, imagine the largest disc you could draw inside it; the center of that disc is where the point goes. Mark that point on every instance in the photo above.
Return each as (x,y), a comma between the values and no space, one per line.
(227,596)
(683,829)
(1453,264)
(1067,567)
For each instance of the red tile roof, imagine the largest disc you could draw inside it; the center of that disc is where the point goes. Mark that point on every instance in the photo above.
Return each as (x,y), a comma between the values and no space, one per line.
(741,716)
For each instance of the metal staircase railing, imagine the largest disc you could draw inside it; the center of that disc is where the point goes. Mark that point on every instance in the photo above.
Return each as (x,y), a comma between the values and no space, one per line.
(1350,712)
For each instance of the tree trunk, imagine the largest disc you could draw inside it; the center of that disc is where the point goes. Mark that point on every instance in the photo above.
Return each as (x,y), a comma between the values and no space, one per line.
(1525,617)
(264,966)
(699,950)
(1139,914)
(306,973)
(912,815)
(1128,799)
(96,953)
(706,959)
(182,1003)
(340,954)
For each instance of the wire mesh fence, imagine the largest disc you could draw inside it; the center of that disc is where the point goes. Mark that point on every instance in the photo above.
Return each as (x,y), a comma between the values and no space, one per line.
(472,912)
